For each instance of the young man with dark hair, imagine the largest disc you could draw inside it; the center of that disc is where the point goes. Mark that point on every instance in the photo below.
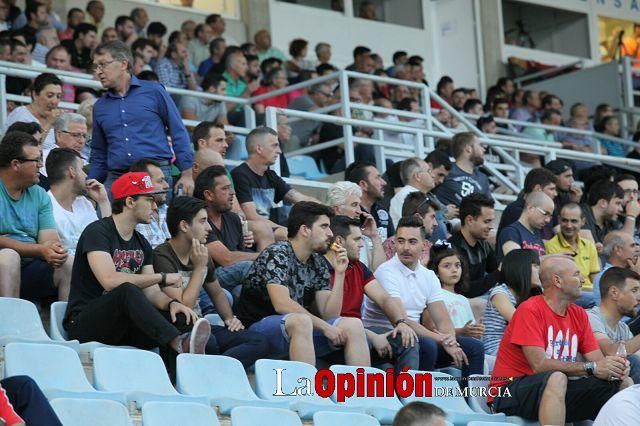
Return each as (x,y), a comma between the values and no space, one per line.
(440,168)
(85,37)
(417,288)
(34,264)
(286,278)
(604,204)
(155,231)
(200,109)
(115,293)
(208,134)
(186,254)
(369,179)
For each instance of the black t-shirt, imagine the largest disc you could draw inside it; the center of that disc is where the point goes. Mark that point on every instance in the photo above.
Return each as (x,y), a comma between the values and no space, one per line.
(264,191)
(80,60)
(384,223)
(166,260)
(591,224)
(128,256)
(278,264)
(231,233)
(483,265)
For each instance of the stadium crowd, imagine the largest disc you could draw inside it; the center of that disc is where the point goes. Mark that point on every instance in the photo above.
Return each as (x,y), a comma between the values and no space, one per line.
(134,219)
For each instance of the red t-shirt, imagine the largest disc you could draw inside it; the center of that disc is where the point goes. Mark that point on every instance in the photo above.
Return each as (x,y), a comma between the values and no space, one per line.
(535,324)
(7,412)
(355,279)
(279,101)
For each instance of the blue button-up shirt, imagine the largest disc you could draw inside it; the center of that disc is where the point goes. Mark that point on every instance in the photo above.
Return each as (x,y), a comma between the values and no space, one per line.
(135,126)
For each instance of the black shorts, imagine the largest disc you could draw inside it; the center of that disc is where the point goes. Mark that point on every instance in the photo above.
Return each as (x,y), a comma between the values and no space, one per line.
(36,280)
(585,396)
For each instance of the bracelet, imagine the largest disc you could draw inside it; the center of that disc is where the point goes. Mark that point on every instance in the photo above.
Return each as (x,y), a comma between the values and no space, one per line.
(163,279)
(171,301)
(401,320)
(631,217)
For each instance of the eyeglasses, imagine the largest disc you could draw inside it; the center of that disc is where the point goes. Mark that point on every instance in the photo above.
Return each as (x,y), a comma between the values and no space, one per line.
(100,67)
(425,201)
(38,160)
(78,135)
(631,191)
(544,212)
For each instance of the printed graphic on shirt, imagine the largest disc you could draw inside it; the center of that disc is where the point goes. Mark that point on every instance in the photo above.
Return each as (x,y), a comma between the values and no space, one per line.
(263,199)
(561,346)
(533,246)
(128,261)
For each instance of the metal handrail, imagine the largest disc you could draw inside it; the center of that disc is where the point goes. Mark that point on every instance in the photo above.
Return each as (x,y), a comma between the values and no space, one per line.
(519,80)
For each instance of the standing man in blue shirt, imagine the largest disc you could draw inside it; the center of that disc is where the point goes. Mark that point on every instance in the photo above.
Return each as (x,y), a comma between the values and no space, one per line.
(133,121)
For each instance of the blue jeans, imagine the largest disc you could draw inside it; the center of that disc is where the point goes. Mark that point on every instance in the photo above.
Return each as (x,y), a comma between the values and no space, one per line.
(206,304)
(586,300)
(273,328)
(244,345)
(166,170)
(29,402)
(634,360)
(433,355)
(402,356)
(230,277)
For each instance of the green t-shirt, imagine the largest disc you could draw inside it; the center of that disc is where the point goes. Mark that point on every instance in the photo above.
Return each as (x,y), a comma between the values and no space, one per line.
(22,219)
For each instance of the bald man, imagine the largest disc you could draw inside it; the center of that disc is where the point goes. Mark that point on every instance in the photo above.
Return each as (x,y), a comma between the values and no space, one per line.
(539,352)
(205,158)
(525,232)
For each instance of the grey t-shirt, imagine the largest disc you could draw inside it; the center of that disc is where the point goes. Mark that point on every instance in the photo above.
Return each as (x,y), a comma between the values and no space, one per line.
(458,184)
(599,325)
(203,110)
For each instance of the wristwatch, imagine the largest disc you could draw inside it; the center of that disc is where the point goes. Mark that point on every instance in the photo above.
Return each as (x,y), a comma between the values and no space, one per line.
(590,368)
(401,320)
(163,279)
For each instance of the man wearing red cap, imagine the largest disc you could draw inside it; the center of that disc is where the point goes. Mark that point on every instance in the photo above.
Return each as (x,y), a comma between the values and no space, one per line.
(115,297)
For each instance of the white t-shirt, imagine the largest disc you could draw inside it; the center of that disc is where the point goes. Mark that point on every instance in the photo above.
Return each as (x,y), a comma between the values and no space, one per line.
(458,307)
(395,207)
(71,224)
(415,289)
(622,409)
(23,114)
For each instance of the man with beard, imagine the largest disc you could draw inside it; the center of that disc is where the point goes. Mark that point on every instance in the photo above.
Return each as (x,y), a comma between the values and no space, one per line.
(156,231)
(258,188)
(465,177)
(73,196)
(289,277)
(620,291)
(367,176)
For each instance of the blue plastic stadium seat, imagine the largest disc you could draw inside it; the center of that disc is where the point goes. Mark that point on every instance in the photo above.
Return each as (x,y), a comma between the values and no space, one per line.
(305,166)
(263,416)
(382,408)
(56,369)
(478,423)
(75,412)
(305,405)
(141,375)
(178,414)
(458,412)
(21,323)
(329,418)
(219,378)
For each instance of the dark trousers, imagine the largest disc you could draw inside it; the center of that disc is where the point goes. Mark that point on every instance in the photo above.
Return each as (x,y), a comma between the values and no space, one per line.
(123,316)
(433,355)
(244,345)
(29,401)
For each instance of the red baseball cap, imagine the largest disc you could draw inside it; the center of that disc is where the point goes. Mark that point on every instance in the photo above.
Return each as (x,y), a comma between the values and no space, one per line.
(131,184)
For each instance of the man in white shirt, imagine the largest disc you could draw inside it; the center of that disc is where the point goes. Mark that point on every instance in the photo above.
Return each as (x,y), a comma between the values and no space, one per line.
(72,210)
(416,176)
(417,287)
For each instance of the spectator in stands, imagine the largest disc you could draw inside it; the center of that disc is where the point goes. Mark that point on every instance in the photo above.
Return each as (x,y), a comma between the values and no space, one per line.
(33,128)
(230,245)
(109,34)
(210,135)
(5,49)
(416,176)
(22,402)
(577,142)
(274,80)
(440,168)
(286,278)
(71,132)
(525,232)
(199,45)
(306,131)
(6,23)
(205,158)
(473,106)
(540,389)
(174,70)
(259,189)
(140,20)
(35,16)
(487,125)
(372,184)
(156,230)
(565,184)
(610,126)
(202,109)
(519,279)
(34,264)
(552,102)
(361,60)
(73,196)
(218,27)
(262,40)
(155,33)
(368,10)
(235,74)
(186,254)
(583,250)
(45,94)
(529,108)
(604,204)
(550,117)
(400,345)
(444,89)
(81,45)
(465,177)
(146,50)
(95,10)
(59,58)
(46,38)
(458,98)
(115,294)
(536,180)
(419,413)
(630,205)
(425,208)
(217,46)
(500,109)
(150,116)
(126,30)
(416,287)
(621,250)
(298,49)
(506,85)
(620,291)
(344,198)
(323,53)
